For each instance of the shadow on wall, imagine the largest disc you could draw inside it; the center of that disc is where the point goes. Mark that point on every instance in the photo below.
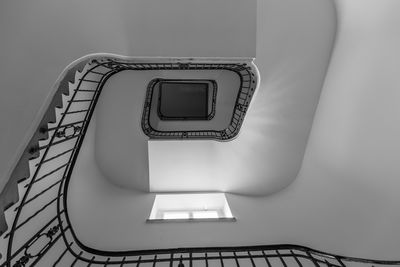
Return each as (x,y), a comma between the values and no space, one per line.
(293,54)
(349,179)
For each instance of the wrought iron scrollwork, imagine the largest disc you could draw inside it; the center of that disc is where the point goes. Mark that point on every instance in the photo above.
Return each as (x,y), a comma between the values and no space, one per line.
(68,131)
(35,244)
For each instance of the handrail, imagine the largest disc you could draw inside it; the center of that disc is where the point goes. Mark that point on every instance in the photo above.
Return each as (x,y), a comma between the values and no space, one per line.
(9,194)
(64,142)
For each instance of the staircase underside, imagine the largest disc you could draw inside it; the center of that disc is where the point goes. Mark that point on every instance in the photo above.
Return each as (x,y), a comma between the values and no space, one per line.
(43,233)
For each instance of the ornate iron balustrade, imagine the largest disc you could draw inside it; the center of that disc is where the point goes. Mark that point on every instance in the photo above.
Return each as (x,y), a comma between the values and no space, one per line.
(41,233)
(248,84)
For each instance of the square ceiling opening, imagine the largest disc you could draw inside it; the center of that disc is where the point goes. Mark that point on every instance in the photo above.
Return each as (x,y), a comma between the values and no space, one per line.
(190,207)
(183,100)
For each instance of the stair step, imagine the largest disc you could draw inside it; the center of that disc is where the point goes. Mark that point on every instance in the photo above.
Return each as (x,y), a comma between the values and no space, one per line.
(10,196)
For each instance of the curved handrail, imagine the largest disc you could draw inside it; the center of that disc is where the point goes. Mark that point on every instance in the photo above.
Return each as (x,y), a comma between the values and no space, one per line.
(9,194)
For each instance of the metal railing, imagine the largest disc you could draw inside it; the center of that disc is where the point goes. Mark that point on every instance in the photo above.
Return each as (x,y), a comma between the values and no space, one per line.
(41,233)
(247,87)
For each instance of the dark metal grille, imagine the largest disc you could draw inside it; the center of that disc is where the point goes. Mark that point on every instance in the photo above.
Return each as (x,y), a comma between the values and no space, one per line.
(248,83)
(41,233)
(207,98)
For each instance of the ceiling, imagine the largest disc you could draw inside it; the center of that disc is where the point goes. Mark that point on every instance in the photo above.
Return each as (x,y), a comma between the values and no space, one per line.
(292,52)
(268,152)
(345,197)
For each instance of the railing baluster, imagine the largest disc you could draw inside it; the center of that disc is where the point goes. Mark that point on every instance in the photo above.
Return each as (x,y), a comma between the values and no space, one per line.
(340,261)
(123,261)
(56,156)
(38,194)
(38,258)
(91,261)
(76,111)
(251,259)
(280,257)
(90,81)
(312,258)
(36,213)
(80,100)
(57,142)
(154,260)
(236,259)
(84,90)
(295,257)
(106,263)
(76,259)
(221,260)
(96,72)
(61,256)
(32,238)
(48,174)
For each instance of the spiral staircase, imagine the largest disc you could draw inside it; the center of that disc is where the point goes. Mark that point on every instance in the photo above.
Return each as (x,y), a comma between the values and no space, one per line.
(35,227)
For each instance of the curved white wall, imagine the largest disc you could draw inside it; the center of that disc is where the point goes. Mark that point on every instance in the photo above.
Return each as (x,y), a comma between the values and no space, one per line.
(346,196)
(294,48)
(294,44)
(39,38)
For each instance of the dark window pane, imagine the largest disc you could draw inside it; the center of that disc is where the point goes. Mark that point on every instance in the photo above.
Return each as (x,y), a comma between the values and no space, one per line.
(180,100)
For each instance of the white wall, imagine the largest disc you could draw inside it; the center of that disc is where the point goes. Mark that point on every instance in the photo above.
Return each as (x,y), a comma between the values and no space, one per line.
(345,198)
(39,38)
(347,193)
(294,44)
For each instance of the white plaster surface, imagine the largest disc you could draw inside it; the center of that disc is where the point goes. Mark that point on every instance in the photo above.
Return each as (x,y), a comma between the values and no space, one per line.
(294,42)
(345,198)
(121,150)
(270,148)
(39,38)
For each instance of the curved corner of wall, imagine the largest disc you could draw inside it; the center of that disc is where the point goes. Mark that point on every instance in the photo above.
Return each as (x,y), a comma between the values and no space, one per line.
(294,45)
(350,174)
(121,152)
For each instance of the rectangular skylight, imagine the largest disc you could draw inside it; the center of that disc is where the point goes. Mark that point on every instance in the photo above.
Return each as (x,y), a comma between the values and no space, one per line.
(191,207)
(183,100)
(205,214)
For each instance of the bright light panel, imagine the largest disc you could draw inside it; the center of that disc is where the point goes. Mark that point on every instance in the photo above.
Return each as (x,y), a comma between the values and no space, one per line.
(211,206)
(205,214)
(174,215)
